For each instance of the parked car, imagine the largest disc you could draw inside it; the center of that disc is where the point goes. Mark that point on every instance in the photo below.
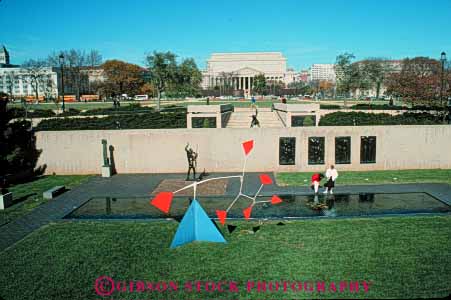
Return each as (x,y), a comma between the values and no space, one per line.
(141,97)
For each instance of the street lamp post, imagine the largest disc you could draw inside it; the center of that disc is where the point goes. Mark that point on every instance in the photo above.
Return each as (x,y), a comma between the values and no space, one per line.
(442,60)
(61,57)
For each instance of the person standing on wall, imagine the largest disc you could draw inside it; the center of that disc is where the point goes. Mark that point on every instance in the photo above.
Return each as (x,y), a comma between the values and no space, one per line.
(331,175)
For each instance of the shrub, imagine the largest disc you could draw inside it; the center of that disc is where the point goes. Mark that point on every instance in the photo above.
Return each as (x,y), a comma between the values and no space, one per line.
(367,119)
(381,107)
(19,112)
(16,112)
(151,120)
(204,122)
(132,108)
(308,121)
(329,106)
(394,107)
(426,108)
(70,112)
(41,113)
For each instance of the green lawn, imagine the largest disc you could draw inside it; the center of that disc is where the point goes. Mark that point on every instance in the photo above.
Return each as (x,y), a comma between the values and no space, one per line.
(236,103)
(370,177)
(80,105)
(401,257)
(96,105)
(28,196)
(239,103)
(88,105)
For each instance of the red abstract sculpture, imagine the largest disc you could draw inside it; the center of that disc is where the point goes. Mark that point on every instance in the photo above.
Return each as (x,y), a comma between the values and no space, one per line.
(163,200)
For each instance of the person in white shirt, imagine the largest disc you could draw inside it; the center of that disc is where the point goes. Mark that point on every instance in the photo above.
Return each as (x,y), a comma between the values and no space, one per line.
(331,176)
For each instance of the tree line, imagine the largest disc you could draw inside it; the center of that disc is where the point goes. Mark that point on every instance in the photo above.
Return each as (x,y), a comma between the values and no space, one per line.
(415,80)
(162,75)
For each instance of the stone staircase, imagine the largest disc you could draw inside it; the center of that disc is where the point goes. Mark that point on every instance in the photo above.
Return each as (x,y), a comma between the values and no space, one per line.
(242,118)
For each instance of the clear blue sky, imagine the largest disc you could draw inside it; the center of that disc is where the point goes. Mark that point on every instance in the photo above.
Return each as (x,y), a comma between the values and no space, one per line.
(306,32)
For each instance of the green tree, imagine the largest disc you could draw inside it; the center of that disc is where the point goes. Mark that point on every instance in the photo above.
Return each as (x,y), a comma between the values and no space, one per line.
(188,79)
(18,151)
(345,72)
(259,84)
(375,71)
(162,71)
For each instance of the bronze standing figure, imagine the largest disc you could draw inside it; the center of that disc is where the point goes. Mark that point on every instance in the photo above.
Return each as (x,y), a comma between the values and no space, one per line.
(192,161)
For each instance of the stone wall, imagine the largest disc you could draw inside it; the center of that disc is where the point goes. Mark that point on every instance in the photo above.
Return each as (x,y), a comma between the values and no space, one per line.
(162,150)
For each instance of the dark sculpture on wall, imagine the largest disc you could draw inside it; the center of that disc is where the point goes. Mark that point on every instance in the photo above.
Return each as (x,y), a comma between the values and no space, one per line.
(105,153)
(192,161)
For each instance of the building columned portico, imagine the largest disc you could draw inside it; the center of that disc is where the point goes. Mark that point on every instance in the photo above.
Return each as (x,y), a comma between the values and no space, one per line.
(237,70)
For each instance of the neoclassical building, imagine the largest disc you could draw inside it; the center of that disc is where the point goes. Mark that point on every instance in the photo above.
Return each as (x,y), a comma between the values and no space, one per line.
(21,82)
(239,69)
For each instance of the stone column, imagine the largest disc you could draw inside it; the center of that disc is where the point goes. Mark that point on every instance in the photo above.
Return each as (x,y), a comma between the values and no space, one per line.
(189,120)
(218,120)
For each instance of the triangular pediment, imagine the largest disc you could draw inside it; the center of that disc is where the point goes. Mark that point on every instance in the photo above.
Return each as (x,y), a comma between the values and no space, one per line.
(248,71)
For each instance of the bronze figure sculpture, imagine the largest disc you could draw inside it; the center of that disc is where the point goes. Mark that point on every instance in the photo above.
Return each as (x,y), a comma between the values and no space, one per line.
(192,161)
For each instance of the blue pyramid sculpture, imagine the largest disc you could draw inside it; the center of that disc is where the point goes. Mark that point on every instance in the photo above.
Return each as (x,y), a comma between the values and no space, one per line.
(196,226)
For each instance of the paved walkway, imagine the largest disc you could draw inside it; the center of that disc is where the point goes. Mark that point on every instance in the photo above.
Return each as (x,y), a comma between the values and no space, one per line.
(142,185)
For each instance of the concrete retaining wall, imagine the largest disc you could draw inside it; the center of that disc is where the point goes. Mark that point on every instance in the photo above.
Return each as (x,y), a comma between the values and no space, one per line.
(162,150)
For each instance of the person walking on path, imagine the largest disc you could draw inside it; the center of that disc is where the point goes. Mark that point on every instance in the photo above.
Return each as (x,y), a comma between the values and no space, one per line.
(316,179)
(255,121)
(253,102)
(331,175)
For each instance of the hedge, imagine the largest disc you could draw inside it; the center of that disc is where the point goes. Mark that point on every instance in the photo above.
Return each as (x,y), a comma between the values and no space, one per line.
(378,106)
(141,121)
(366,119)
(70,112)
(394,107)
(329,106)
(18,112)
(120,110)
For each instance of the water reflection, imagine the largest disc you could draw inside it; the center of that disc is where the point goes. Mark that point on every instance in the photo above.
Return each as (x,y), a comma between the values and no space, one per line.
(292,206)
(367,197)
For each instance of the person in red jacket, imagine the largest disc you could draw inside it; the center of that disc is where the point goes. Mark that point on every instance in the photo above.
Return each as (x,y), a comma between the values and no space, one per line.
(316,179)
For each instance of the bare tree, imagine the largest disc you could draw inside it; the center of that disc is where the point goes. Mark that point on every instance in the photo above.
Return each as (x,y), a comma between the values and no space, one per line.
(75,61)
(10,81)
(34,73)
(93,58)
